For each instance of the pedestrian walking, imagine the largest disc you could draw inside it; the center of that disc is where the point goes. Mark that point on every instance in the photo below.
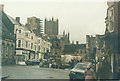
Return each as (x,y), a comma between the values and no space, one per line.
(90,74)
(72,63)
(98,65)
(104,71)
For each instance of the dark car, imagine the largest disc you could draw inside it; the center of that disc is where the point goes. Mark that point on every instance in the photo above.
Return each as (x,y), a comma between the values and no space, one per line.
(32,62)
(78,71)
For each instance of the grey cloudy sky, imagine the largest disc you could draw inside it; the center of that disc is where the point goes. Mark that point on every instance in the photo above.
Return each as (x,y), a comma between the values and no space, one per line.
(78,17)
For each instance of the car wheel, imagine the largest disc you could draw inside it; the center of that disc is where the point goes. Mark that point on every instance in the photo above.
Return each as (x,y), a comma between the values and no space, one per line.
(71,79)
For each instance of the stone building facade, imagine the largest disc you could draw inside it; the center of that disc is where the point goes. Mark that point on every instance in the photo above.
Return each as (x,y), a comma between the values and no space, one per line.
(28,44)
(95,47)
(90,45)
(112,34)
(75,50)
(8,39)
(51,27)
(51,30)
(55,50)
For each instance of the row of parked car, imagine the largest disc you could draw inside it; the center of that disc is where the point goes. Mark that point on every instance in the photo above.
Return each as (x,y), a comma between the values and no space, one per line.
(43,63)
(77,72)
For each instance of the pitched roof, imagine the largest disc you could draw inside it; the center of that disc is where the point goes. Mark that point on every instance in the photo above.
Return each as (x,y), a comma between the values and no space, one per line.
(13,20)
(7,27)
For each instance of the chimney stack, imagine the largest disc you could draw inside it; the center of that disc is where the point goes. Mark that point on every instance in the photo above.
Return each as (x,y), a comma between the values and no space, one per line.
(1,7)
(18,19)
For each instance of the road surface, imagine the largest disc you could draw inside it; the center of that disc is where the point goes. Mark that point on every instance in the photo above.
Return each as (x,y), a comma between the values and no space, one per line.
(34,72)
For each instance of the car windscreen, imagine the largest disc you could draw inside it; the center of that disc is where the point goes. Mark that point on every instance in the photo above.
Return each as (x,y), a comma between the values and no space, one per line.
(80,66)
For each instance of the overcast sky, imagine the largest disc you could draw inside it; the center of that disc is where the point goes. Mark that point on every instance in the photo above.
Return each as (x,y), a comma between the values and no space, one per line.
(78,17)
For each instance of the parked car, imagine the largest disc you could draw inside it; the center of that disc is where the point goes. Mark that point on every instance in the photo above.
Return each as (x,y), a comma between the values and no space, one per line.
(78,71)
(64,66)
(22,63)
(32,62)
(44,63)
(54,65)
